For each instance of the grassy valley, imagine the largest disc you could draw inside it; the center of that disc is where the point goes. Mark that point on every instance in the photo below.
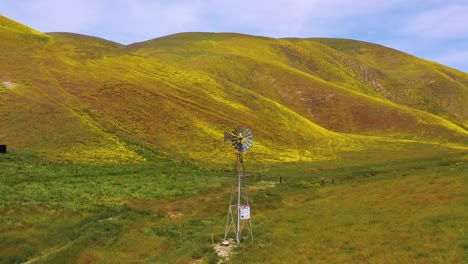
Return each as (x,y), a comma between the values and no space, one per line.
(388,207)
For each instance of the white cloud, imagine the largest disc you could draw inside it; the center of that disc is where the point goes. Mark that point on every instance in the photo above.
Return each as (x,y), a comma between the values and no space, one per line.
(443,23)
(155,19)
(271,18)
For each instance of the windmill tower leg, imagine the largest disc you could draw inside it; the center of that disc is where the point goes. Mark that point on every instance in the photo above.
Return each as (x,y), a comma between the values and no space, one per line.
(233,211)
(240,174)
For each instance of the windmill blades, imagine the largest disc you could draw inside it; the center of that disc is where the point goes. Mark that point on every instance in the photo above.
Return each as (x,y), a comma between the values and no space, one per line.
(237,145)
(248,135)
(242,139)
(248,138)
(247,144)
(238,131)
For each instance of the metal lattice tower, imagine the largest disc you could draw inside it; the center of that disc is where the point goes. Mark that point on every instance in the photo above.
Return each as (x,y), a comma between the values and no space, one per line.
(239,208)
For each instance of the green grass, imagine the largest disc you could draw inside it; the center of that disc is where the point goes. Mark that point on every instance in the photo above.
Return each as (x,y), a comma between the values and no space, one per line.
(47,205)
(84,185)
(407,208)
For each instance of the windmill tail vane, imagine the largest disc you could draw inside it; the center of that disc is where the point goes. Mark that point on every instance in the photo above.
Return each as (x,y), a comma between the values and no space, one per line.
(227,136)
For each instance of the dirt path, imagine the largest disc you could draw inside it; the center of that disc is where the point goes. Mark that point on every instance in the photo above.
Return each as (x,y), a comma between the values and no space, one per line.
(46,253)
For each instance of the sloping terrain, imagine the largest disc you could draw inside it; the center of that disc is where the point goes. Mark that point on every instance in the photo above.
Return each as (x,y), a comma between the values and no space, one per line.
(404,79)
(37,113)
(327,86)
(81,98)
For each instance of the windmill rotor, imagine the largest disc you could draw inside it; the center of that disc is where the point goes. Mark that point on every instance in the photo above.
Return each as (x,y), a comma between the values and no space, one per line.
(241,138)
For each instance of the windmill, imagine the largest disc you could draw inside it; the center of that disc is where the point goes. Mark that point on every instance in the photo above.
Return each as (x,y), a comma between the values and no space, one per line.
(239,208)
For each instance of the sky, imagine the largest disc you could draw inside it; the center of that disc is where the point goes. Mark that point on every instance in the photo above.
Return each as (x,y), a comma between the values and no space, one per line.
(436,30)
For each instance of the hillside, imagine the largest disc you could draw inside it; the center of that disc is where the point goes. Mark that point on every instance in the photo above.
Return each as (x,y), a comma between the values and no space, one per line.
(312,79)
(80,98)
(421,84)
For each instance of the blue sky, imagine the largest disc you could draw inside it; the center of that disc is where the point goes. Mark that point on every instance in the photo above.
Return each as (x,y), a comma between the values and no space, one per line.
(431,29)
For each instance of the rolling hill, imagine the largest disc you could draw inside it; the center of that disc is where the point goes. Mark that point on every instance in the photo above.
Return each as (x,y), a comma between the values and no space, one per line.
(79,98)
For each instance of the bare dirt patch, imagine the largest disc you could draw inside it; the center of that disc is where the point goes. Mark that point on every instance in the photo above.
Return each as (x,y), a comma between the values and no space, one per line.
(224,251)
(8,85)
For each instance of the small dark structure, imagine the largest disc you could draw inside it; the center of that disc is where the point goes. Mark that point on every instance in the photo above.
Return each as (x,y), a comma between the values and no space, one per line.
(2,148)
